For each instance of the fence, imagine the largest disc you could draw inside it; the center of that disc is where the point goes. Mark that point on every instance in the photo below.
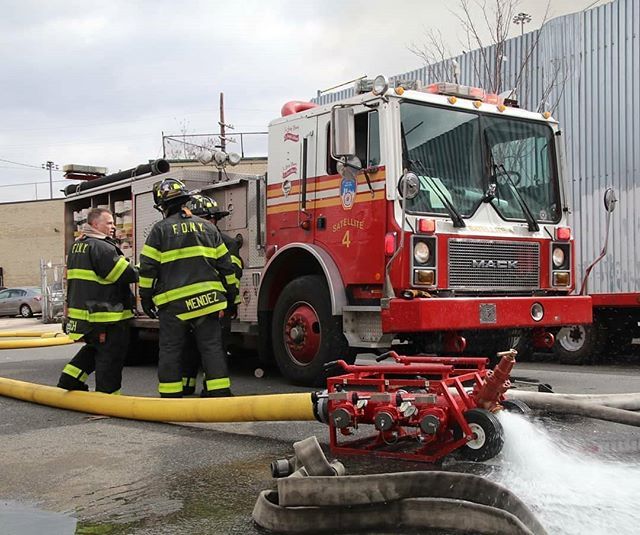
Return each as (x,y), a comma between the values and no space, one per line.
(52,282)
(188,146)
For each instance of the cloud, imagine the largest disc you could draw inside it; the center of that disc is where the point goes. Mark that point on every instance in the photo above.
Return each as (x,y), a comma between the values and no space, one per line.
(98,83)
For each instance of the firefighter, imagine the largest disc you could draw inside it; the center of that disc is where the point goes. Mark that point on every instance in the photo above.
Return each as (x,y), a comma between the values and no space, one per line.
(99,306)
(184,266)
(207,208)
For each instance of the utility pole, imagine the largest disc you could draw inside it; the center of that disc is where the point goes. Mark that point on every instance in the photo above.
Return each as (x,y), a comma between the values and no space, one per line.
(223,143)
(50,166)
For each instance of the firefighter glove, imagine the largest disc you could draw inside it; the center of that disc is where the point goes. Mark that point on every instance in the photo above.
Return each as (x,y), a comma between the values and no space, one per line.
(149,308)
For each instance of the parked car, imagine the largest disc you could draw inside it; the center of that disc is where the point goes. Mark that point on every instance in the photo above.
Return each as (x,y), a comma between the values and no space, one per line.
(23,301)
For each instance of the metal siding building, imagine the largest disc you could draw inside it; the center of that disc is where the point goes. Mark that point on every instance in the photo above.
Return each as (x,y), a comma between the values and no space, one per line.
(588,65)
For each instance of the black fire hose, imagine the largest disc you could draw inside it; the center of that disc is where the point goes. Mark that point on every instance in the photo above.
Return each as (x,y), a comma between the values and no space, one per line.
(306,502)
(153,168)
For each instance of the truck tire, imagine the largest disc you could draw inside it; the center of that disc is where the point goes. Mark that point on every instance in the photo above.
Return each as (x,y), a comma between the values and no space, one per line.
(304,332)
(577,344)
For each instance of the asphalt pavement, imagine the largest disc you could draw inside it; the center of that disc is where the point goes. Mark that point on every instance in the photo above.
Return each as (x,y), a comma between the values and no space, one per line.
(114,476)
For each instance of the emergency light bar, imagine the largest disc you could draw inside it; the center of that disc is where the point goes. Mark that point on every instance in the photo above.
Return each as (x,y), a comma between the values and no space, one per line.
(463,91)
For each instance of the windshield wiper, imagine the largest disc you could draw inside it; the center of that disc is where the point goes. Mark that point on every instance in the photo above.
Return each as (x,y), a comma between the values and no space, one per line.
(453,212)
(458,222)
(531,221)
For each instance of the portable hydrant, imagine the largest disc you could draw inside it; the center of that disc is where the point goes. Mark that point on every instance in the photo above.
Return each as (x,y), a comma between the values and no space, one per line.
(422,408)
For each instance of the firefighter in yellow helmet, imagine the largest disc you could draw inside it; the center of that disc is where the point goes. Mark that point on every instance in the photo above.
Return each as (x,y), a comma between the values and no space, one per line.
(208,209)
(184,268)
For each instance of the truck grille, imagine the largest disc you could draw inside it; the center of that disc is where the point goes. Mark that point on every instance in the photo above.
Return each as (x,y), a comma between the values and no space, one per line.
(489,264)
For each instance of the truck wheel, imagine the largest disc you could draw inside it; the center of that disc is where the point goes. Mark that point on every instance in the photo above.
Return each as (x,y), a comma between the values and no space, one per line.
(305,334)
(577,344)
(489,438)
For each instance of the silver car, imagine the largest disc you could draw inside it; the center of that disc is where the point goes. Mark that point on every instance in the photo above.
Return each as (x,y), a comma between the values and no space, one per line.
(23,301)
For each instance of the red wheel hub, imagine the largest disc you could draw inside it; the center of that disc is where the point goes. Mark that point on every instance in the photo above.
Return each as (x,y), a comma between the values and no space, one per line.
(302,333)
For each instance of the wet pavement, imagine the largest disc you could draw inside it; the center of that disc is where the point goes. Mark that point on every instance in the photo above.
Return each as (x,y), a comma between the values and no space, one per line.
(117,477)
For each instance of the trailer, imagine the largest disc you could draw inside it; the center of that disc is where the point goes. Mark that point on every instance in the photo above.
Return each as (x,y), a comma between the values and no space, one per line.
(420,219)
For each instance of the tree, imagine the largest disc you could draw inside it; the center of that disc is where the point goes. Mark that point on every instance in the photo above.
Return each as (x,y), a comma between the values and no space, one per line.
(485,33)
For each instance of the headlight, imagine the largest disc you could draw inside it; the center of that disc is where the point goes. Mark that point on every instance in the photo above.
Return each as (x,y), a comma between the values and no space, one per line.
(421,252)
(558,257)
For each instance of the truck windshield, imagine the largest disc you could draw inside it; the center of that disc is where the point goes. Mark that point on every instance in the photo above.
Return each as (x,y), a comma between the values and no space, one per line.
(465,155)
(443,148)
(520,157)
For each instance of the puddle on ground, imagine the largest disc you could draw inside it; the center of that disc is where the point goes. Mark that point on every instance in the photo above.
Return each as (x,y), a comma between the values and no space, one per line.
(21,519)
(209,502)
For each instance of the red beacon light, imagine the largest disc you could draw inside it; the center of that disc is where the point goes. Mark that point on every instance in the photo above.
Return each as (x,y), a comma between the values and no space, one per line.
(563,233)
(426,226)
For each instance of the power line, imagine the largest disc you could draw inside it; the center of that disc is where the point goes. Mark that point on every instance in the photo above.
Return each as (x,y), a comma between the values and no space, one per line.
(18,163)
(21,184)
(26,168)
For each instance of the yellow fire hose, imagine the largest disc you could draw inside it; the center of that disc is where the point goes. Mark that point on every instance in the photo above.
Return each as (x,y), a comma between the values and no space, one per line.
(36,339)
(273,407)
(30,334)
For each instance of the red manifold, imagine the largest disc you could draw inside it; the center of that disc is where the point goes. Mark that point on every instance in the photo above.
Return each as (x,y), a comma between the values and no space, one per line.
(421,408)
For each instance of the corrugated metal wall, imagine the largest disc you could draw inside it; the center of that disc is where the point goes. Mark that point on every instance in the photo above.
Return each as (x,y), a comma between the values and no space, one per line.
(586,69)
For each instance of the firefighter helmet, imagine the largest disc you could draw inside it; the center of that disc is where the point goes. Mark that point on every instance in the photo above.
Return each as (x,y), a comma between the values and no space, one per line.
(169,191)
(206,207)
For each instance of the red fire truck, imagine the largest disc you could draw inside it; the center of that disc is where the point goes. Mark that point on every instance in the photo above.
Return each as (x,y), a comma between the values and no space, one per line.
(422,219)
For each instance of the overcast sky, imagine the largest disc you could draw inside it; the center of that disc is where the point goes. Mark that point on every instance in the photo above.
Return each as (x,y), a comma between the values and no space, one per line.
(97,83)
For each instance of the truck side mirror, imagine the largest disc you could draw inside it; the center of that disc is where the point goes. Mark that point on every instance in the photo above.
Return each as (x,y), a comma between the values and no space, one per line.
(343,132)
(409,186)
(610,200)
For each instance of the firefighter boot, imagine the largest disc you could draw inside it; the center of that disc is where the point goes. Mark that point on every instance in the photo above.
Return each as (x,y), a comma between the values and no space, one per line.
(71,383)
(188,386)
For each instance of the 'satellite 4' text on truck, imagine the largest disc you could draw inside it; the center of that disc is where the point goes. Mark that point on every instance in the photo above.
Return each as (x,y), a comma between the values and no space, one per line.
(430,220)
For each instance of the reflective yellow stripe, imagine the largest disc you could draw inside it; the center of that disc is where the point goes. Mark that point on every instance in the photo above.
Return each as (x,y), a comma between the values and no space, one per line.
(118,269)
(202,311)
(170,388)
(187,291)
(237,300)
(190,252)
(232,280)
(75,336)
(235,260)
(86,275)
(188,381)
(117,393)
(99,317)
(73,371)
(217,384)
(151,252)
(146,282)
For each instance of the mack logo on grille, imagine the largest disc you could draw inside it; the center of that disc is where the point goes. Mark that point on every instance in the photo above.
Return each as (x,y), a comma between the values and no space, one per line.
(497,264)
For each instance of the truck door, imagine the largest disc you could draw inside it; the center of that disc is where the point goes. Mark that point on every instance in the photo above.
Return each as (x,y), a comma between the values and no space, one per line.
(291,181)
(350,211)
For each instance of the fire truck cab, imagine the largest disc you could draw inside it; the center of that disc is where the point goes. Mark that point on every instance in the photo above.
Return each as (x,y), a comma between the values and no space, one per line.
(433,218)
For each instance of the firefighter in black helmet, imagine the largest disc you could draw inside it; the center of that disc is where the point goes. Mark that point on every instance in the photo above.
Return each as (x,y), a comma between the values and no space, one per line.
(184,267)
(208,208)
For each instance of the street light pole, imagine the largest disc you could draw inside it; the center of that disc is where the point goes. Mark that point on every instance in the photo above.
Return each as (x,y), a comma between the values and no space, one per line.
(50,166)
(522,19)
